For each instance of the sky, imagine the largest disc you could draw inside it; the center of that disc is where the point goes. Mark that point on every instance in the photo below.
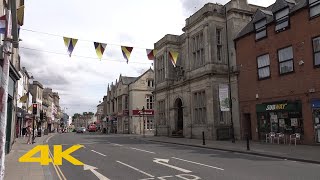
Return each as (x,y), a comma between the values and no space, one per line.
(82,79)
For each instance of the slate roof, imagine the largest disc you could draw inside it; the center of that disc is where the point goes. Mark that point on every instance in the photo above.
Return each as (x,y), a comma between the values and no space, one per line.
(128,80)
(260,14)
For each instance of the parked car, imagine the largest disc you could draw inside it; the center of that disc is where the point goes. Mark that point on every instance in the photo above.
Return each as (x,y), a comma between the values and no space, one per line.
(92,128)
(81,130)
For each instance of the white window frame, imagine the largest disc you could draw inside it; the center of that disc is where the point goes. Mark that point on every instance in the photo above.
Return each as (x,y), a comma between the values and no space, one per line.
(263,65)
(150,83)
(261,28)
(316,51)
(314,5)
(150,101)
(285,59)
(282,17)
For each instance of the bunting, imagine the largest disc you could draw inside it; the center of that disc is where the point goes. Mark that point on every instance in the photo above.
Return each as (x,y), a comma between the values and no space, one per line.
(24,98)
(20,15)
(3,22)
(126,51)
(100,47)
(151,53)
(173,57)
(70,44)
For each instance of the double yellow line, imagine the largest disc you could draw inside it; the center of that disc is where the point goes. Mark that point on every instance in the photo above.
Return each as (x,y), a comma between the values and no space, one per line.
(57,168)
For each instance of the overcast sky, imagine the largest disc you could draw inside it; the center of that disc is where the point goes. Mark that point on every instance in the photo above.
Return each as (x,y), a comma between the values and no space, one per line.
(82,80)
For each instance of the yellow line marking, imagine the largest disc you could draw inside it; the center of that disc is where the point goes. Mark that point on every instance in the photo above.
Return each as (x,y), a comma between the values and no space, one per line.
(57,167)
(54,166)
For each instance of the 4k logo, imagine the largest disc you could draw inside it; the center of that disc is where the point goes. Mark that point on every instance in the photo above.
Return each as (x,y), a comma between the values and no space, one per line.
(45,155)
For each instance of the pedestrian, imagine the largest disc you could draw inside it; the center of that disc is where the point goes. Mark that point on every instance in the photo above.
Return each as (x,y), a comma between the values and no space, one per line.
(29,134)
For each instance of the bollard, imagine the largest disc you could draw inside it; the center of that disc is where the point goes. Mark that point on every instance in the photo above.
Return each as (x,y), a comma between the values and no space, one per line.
(248,143)
(203,140)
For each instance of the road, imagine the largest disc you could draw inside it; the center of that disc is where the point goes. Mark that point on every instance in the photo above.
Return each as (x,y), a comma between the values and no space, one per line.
(128,157)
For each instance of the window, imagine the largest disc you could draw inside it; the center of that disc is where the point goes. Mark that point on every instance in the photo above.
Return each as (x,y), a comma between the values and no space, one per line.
(314,6)
(126,103)
(200,114)
(150,83)
(197,50)
(285,56)
(219,45)
(263,66)
(160,67)
(316,51)
(150,102)
(218,33)
(148,124)
(282,19)
(161,112)
(261,29)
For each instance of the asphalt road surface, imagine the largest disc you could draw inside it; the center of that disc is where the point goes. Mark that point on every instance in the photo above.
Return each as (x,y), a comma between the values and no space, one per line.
(128,157)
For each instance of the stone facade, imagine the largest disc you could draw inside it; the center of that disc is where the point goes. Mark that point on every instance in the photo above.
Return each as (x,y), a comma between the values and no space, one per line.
(187,96)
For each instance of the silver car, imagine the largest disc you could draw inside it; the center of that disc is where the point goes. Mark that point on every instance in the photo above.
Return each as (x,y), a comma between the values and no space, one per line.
(81,130)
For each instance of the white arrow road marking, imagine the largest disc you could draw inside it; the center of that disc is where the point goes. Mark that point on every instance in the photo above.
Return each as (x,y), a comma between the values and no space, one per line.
(142,150)
(165,163)
(135,169)
(92,169)
(198,163)
(164,177)
(98,153)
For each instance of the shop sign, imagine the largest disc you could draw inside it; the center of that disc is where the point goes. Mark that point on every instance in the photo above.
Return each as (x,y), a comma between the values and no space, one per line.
(146,112)
(276,107)
(315,103)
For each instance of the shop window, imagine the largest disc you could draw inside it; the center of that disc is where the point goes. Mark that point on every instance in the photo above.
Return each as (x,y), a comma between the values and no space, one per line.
(316,51)
(261,29)
(148,125)
(314,8)
(282,20)
(285,56)
(263,66)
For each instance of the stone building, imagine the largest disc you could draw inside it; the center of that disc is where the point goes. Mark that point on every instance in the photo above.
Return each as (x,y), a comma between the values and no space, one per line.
(124,103)
(187,95)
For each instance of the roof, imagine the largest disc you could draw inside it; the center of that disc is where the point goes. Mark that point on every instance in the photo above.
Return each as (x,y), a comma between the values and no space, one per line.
(142,75)
(268,14)
(127,80)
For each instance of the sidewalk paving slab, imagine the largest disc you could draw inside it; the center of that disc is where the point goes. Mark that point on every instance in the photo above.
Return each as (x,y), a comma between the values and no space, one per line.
(14,170)
(302,153)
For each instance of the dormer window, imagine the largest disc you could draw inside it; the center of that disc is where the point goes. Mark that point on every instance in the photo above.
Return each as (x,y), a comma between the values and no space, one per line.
(282,20)
(261,29)
(314,6)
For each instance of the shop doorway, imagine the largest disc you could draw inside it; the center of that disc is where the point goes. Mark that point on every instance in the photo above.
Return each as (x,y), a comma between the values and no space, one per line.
(9,124)
(179,115)
(247,126)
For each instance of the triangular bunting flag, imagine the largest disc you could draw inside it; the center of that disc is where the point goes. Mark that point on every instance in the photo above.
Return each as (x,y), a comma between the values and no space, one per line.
(173,57)
(70,44)
(3,24)
(151,53)
(126,51)
(100,47)
(20,15)
(24,98)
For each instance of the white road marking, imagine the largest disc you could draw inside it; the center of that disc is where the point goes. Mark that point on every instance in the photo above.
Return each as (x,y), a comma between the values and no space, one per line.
(165,163)
(98,153)
(79,143)
(116,144)
(49,138)
(93,170)
(142,150)
(183,176)
(198,163)
(135,169)
(146,178)
(164,177)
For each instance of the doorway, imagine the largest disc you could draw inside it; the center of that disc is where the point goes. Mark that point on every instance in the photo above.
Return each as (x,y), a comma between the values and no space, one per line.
(247,126)
(179,116)
(9,124)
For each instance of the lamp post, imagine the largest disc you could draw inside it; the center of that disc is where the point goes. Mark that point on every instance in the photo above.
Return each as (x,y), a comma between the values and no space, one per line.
(143,126)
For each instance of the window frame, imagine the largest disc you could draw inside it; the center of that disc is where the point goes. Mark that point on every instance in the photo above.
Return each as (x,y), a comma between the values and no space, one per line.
(263,67)
(312,5)
(198,50)
(150,101)
(161,112)
(199,107)
(314,53)
(279,63)
(282,20)
(262,28)
(150,82)
(161,69)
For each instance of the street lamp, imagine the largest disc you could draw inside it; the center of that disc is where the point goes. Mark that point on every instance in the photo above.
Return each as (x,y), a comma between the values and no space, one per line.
(143,122)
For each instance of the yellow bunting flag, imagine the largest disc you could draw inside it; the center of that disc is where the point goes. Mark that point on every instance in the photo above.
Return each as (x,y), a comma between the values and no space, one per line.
(24,98)
(126,51)
(70,44)
(151,53)
(20,15)
(173,57)
(100,47)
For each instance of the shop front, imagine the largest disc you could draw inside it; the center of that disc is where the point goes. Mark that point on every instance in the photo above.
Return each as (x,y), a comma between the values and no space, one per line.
(145,124)
(315,104)
(279,117)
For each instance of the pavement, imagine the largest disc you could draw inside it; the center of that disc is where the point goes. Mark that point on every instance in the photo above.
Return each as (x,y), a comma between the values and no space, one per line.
(129,157)
(303,153)
(14,170)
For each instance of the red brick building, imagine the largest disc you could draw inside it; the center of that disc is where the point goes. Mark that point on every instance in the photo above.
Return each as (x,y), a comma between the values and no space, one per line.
(278,53)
